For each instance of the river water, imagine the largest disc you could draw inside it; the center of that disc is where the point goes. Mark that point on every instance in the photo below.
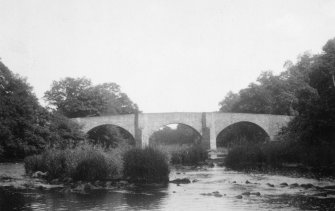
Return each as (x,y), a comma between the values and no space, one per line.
(211,189)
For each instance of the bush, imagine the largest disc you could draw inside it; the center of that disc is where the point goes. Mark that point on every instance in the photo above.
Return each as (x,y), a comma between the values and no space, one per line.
(189,156)
(243,156)
(93,167)
(145,165)
(34,163)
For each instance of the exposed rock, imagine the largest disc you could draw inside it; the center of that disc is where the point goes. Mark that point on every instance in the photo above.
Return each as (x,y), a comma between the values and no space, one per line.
(294,185)
(39,174)
(195,180)
(256,193)
(239,196)
(321,195)
(270,185)
(54,181)
(181,181)
(5,177)
(246,194)
(123,182)
(67,180)
(206,194)
(284,184)
(307,186)
(246,182)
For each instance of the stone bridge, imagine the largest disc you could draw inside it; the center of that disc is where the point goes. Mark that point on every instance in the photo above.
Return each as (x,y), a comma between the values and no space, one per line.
(208,124)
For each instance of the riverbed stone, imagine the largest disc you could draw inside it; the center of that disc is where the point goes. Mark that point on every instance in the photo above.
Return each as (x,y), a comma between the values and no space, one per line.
(54,181)
(270,185)
(284,184)
(294,185)
(256,193)
(306,186)
(39,174)
(181,181)
(246,193)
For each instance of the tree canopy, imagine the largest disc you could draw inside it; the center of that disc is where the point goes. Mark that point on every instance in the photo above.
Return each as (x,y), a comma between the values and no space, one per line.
(25,126)
(306,90)
(77,97)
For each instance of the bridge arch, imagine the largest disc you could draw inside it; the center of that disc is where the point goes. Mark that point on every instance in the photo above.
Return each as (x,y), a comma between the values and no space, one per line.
(123,121)
(186,132)
(110,135)
(241,133)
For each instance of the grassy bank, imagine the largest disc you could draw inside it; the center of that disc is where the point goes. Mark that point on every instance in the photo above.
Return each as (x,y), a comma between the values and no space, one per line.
(89,163)
(281,155)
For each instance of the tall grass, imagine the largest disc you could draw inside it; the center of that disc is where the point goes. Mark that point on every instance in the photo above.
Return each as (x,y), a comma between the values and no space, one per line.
(84,162)
(189,156)
(146,165)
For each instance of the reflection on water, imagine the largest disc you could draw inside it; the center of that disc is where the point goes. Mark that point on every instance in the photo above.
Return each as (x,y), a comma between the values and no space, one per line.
(212,189)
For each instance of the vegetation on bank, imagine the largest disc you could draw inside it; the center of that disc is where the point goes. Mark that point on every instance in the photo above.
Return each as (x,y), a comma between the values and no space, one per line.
(307,91)
(146,165)
(27,128)
(84,162)
(90,163)
(189,155)
(283,155)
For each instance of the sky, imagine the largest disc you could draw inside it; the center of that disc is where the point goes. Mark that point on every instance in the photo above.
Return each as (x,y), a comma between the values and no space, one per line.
(168,56)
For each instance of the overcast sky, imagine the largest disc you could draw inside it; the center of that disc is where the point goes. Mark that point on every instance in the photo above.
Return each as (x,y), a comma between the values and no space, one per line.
(172,55)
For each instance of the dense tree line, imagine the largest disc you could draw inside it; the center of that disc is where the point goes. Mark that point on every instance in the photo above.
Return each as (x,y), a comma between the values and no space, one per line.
(25,126)
(305,90)
(28,128)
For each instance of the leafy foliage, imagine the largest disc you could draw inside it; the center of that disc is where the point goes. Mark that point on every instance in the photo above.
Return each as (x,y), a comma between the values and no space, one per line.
(77,97)
(189,156)
(26,127)
(146,165)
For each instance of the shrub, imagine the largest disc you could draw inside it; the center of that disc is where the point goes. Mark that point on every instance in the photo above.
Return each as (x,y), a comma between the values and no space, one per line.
(189,156)
(145,165)
(93,167)
(243,156)
(34,163)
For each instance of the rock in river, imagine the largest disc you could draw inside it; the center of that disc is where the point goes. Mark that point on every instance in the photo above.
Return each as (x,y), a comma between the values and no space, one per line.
(181,181)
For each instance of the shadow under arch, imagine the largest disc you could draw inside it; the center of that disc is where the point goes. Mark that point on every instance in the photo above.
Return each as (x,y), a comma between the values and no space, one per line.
(241,133)
(109,135)
(175,134)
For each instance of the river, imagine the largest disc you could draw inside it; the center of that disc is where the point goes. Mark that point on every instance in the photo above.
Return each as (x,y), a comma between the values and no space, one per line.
(211,189)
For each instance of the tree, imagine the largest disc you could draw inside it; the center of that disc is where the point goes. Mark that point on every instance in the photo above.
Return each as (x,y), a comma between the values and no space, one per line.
(77,97)
(315,123)
(26,127)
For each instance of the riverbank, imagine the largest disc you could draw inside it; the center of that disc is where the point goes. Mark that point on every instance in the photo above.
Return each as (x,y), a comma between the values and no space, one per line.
(214,188)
